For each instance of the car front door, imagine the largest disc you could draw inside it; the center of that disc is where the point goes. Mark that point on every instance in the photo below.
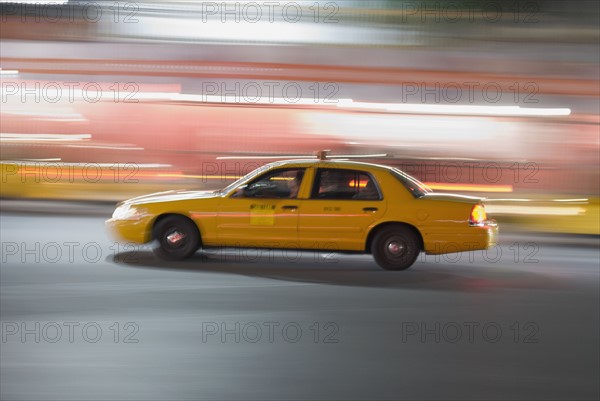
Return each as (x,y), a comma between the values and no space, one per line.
(262,213)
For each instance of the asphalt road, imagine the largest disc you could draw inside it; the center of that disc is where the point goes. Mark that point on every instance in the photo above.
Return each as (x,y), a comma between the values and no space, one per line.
(85,319)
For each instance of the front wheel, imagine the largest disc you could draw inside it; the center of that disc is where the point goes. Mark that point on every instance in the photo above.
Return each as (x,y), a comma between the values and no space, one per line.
(396,248)
(177,237)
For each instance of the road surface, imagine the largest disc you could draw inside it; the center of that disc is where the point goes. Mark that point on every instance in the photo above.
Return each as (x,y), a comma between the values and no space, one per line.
(83,318)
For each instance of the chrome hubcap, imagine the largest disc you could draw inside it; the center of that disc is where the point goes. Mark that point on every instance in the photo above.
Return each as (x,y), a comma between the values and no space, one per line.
(175,238)
(395,248)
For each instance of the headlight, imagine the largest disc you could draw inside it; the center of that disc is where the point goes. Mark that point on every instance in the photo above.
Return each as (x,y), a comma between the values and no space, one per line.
(125,212)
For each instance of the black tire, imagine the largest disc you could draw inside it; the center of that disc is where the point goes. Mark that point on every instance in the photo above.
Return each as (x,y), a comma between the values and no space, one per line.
(396,247)
(177,237)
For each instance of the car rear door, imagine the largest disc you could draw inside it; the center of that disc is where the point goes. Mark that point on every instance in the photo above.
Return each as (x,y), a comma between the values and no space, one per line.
(342,205)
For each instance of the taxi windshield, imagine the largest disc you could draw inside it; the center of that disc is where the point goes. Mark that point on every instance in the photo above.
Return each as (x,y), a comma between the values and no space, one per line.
(248,176)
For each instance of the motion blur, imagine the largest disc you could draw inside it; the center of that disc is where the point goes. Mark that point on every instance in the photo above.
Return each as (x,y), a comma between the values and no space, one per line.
(496,99)
(102,101)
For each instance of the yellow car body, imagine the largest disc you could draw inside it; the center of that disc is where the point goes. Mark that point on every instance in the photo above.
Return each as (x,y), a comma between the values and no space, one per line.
(366,201)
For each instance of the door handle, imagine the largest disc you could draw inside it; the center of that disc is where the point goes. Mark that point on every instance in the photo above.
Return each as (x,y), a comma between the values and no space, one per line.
(370,209)
(290,207)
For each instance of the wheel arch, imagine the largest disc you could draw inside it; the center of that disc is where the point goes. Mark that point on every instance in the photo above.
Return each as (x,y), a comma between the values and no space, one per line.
(373,232)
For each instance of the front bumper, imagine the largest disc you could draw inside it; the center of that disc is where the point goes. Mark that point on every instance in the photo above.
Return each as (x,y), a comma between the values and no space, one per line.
(135,231)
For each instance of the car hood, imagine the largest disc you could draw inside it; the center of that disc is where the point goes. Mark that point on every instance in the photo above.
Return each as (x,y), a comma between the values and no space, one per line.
(452,198)
(171,196)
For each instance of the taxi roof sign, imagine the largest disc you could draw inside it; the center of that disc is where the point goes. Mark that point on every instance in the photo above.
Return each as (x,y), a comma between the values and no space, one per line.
(322,154)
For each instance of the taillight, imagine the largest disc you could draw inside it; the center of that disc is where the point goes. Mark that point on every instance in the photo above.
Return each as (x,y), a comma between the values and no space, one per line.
(478,215)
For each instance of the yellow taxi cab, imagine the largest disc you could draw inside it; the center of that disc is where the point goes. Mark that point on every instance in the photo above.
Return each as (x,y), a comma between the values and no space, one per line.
(333,205)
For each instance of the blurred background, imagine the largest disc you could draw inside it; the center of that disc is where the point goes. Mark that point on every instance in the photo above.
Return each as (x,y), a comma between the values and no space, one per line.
(102,101)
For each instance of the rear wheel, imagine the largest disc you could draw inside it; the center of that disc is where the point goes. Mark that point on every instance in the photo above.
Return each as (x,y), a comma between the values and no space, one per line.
(177,238)
(396,248)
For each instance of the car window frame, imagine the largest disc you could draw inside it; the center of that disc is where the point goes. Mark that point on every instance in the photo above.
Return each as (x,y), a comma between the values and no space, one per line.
(317,177)
(258,177)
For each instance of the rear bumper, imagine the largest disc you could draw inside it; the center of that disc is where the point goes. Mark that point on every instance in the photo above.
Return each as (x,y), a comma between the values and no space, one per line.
(471,238)
(491,234)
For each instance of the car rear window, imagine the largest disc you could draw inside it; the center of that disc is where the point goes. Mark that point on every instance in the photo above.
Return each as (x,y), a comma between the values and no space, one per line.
(414,186)
(331,183)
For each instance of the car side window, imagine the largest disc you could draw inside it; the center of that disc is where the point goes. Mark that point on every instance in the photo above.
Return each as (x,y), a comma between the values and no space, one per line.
(345,184)
(282,183)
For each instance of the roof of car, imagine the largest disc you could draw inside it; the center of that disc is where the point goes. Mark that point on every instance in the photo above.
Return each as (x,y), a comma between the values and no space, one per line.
(327,162)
